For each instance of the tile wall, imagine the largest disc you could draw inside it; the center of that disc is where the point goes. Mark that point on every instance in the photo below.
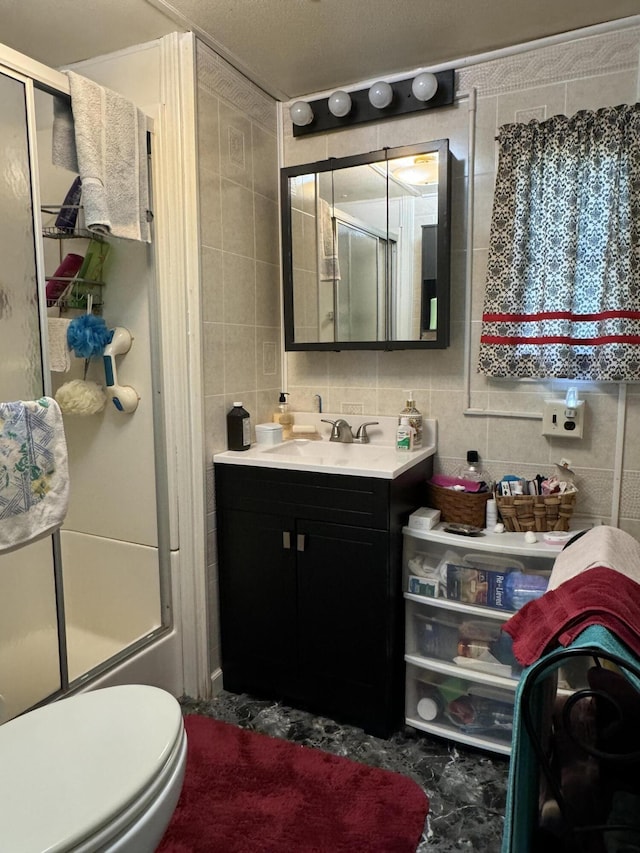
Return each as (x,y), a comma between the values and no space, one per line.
(584,73)
(238,168)
(239,216)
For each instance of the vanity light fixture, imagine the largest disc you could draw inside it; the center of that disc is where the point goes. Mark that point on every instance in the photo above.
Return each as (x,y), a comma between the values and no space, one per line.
(380,95)
(339,103)
(301,113)
(424,86)
(424,91)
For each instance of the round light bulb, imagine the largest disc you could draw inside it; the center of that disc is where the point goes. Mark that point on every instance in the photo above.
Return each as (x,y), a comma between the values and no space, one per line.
(380,95)
(301,113)
(339,103)
(424,86)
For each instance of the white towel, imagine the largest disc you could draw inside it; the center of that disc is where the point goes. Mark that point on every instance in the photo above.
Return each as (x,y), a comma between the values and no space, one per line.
(34,474)
(328,264)
(603,546)
(108,147)
(59,355)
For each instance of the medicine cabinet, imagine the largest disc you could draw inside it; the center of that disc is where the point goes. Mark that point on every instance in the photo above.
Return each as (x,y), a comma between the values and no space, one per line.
(366,250)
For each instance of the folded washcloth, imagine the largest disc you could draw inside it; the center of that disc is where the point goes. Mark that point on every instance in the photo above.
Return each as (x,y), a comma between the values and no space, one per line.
(599,546)
(599,596)
(59,355)
(34,478)
(108,147)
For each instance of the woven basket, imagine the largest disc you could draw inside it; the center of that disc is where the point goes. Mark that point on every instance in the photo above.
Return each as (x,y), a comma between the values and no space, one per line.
(536,512)
(460,507)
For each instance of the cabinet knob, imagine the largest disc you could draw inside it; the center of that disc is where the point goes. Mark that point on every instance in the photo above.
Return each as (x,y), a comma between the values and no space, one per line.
(300,542)
(286,540)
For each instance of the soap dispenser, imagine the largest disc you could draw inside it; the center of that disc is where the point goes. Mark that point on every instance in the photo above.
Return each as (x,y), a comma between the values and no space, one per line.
(284,417)
(415,419)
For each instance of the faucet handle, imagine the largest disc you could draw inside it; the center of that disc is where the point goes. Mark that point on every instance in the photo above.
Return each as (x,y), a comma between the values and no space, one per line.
(334,428)
(362,435)
(340,430)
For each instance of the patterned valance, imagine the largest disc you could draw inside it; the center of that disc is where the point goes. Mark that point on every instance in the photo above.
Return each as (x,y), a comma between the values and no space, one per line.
(562,292)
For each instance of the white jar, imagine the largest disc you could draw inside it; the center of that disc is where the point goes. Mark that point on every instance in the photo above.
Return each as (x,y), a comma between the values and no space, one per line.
(268,434)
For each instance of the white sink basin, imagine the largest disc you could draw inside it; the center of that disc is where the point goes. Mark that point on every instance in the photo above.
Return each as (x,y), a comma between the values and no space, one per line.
(330,450)
(363,460)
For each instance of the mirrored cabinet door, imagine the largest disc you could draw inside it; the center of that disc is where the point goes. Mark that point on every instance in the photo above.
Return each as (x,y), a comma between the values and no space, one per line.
(366,250)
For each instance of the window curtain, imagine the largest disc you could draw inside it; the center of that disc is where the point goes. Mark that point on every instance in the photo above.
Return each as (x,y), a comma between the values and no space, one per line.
(563,280)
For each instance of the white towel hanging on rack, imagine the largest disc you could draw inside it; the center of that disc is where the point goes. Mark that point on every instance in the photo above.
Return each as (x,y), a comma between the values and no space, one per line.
(103,137)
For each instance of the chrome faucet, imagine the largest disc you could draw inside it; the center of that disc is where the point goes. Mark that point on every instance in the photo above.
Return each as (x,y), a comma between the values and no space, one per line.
(362,436)
(340,430)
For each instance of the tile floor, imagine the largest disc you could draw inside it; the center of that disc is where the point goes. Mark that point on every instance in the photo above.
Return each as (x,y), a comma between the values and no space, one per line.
(466,788)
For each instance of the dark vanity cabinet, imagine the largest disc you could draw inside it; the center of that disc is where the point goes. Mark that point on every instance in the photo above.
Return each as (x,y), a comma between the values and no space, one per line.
(310,589)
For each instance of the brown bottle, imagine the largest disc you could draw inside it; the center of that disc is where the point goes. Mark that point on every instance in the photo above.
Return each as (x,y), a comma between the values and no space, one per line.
(238,428)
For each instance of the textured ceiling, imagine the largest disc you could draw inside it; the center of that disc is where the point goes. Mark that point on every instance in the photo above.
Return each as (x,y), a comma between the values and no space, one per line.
(299,47)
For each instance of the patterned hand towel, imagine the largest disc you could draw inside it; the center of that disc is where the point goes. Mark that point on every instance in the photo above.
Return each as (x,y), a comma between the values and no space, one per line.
(34,478)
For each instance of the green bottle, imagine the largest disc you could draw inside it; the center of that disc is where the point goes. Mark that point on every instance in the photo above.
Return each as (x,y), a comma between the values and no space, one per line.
(415,419)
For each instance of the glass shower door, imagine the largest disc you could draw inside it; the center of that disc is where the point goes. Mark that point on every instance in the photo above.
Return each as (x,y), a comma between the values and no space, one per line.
(357,315)
(29,645)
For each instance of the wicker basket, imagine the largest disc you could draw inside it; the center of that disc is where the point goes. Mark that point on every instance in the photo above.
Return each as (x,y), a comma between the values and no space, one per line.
(536,512)
(460,507)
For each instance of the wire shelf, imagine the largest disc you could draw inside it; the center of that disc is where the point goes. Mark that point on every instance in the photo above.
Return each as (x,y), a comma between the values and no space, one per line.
(54,233)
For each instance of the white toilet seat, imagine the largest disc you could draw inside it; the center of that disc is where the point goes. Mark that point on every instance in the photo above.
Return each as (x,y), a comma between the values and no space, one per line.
(77,774)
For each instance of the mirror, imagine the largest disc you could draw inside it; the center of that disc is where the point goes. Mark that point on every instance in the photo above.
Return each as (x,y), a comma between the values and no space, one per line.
(366,250)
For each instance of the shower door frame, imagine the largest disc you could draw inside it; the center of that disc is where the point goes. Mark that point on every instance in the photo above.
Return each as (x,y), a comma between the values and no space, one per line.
(179,653)
(11,72)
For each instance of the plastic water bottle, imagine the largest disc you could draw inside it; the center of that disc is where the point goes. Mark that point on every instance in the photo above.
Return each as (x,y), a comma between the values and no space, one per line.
(520,589)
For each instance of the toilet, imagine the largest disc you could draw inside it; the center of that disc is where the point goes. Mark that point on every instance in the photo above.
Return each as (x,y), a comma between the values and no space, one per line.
(101,771)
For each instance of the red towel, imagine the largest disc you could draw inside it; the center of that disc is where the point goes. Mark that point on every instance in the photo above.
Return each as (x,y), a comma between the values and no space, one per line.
(599,596)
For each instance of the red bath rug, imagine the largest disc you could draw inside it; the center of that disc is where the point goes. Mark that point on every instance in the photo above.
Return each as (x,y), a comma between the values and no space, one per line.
(246,792)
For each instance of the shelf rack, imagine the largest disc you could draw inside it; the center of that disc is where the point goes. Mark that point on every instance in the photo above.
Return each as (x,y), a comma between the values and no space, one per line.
(76,294)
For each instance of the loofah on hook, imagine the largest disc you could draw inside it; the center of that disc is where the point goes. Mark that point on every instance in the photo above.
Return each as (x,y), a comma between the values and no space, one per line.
(80,397)
(88,335)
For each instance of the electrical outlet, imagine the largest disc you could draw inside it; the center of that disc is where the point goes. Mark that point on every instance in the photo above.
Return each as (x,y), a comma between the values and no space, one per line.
(560,420)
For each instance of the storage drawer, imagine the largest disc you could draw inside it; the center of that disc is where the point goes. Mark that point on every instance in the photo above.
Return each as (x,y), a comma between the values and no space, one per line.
(358,501)
(460,709)
(474,576)
(466,639)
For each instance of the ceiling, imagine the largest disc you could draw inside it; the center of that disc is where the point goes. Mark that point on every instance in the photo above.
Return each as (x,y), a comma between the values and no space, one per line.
(301,47)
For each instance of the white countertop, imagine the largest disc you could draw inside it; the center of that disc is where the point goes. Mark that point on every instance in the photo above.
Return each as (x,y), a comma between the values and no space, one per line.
(377,459)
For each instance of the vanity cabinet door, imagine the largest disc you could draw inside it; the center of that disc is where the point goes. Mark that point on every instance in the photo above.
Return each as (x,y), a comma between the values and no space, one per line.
(345,622)
(311,603)
(258,610)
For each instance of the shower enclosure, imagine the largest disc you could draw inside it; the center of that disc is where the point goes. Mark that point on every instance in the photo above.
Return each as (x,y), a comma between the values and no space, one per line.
(361,300)
(78,603)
